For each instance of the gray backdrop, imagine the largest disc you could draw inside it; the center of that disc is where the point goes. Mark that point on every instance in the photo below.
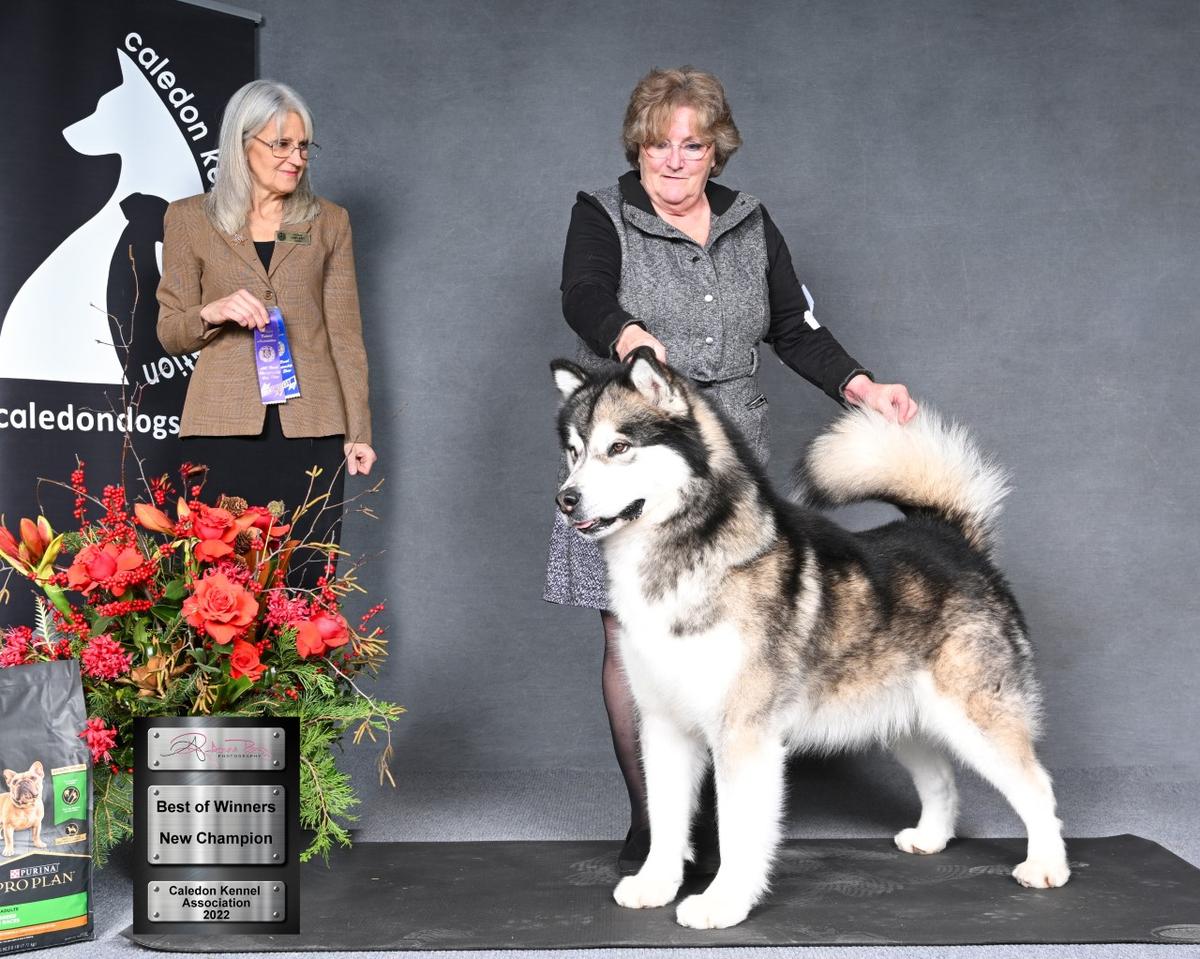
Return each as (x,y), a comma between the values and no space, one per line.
(996,203)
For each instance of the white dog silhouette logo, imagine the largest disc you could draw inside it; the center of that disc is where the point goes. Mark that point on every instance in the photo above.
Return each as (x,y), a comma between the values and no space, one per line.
(53,329)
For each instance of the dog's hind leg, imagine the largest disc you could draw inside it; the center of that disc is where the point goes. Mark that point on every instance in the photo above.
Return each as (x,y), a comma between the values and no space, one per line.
(1000,748)
(749,767)
(675,760)
(933,775)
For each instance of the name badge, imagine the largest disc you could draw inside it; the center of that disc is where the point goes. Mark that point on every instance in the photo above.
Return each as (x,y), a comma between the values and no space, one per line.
(300,239)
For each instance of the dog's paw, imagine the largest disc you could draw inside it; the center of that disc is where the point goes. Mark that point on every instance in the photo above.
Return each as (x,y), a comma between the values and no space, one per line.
(711,910)
(8,851)
(1042,873)
(920,843)
(645,892)
(39,844)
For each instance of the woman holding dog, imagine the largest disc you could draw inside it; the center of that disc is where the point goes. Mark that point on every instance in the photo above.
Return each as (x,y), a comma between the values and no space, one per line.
(699,273)
(260,239)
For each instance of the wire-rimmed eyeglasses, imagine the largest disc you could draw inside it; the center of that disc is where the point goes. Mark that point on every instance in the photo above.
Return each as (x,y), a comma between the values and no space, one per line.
(284,147)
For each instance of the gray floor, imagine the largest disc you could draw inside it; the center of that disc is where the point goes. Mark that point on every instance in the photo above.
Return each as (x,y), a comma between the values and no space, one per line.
(864,797)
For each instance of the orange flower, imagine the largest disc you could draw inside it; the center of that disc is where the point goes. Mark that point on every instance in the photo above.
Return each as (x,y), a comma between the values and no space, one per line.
(216,529)
(94,565)
(220,608)
(8,543)
(35,542)
(323,632)
(263,520)
(245,661)
(153,519)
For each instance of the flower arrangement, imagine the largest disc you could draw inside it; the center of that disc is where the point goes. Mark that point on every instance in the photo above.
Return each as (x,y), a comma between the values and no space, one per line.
(195,615)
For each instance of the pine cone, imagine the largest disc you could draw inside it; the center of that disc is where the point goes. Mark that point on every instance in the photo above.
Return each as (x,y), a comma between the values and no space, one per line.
(233,504)
(242,543)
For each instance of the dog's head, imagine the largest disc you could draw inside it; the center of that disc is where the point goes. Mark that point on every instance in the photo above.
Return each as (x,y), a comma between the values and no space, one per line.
(633,444)
(25,788)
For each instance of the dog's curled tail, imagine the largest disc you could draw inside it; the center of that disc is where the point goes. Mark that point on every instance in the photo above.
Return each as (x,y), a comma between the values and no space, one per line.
(926,464)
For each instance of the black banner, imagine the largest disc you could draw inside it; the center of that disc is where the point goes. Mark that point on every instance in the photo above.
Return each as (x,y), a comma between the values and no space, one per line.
(111,111)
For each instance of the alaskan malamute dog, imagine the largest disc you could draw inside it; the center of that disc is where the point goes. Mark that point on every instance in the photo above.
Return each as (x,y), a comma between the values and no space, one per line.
(752,627)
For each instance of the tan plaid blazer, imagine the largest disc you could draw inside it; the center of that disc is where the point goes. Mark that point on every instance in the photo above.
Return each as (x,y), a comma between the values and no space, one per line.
(314,287)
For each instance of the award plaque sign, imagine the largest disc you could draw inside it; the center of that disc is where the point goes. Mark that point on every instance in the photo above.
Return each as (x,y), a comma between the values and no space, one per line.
(216,825)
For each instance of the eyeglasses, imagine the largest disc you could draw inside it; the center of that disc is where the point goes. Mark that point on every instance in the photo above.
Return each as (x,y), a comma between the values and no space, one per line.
(283,148)
(689,149)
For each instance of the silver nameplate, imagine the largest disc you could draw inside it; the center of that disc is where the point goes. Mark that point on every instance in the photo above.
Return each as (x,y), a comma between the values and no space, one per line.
(215,748)
(215,900)
(216,825)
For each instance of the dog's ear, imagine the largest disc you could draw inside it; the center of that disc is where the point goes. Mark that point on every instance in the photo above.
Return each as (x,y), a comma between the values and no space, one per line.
(658,384)
(9,776)
(37,768)
(568,377)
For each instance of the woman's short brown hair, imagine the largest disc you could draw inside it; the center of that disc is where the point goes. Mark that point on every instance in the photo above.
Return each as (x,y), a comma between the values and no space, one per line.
(660,93)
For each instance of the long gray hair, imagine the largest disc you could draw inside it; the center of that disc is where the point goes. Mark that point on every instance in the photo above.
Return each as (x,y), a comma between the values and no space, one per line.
(248,111)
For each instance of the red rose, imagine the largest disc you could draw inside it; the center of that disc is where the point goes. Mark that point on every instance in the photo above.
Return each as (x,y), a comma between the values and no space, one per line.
(216,529)
(219,607)
(211,526)
(245,661)
(323,632)
(333,628)
(93,565)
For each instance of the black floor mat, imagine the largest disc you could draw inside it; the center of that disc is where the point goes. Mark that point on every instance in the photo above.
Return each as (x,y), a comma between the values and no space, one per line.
(558,895)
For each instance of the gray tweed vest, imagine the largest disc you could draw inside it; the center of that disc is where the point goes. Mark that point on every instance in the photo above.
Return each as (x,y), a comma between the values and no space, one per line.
(708,305)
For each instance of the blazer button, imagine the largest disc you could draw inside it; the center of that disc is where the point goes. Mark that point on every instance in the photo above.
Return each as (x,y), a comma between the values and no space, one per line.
(708,339)
(707,297)
(268,295)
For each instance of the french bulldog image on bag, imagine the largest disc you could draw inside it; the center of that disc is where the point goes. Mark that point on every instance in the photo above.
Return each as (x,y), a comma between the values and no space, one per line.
(21,807)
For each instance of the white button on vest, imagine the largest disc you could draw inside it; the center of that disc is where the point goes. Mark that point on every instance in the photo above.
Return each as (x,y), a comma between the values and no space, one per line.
(708,339)
(707,297)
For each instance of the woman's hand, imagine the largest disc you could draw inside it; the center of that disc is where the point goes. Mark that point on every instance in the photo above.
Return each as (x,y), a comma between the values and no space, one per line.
(242,308)
(890,399)
(634,336)
(359,458)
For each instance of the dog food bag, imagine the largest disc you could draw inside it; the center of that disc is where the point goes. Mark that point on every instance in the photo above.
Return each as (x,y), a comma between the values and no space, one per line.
(45,808)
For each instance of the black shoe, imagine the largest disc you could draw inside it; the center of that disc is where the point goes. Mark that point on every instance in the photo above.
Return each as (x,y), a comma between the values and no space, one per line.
(633,854)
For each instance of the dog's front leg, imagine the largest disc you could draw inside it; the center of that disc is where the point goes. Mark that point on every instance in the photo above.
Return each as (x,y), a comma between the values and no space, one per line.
(749,766)
(8,840)
(37,834)
(674,763)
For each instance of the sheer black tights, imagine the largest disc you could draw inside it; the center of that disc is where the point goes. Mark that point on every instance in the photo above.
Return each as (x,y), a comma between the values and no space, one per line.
(622,719)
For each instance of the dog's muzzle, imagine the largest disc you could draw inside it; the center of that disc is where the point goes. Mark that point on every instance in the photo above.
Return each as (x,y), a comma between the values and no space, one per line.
(590,527)
(24,796)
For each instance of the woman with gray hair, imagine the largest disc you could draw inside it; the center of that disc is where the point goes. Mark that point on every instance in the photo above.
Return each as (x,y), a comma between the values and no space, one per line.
(259,248)
(668,259)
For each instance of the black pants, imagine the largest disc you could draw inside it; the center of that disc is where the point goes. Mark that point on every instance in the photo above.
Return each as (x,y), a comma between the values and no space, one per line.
(271,466)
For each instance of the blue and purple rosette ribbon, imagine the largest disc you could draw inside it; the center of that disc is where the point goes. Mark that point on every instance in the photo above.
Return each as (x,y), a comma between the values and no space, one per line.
(273,356)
